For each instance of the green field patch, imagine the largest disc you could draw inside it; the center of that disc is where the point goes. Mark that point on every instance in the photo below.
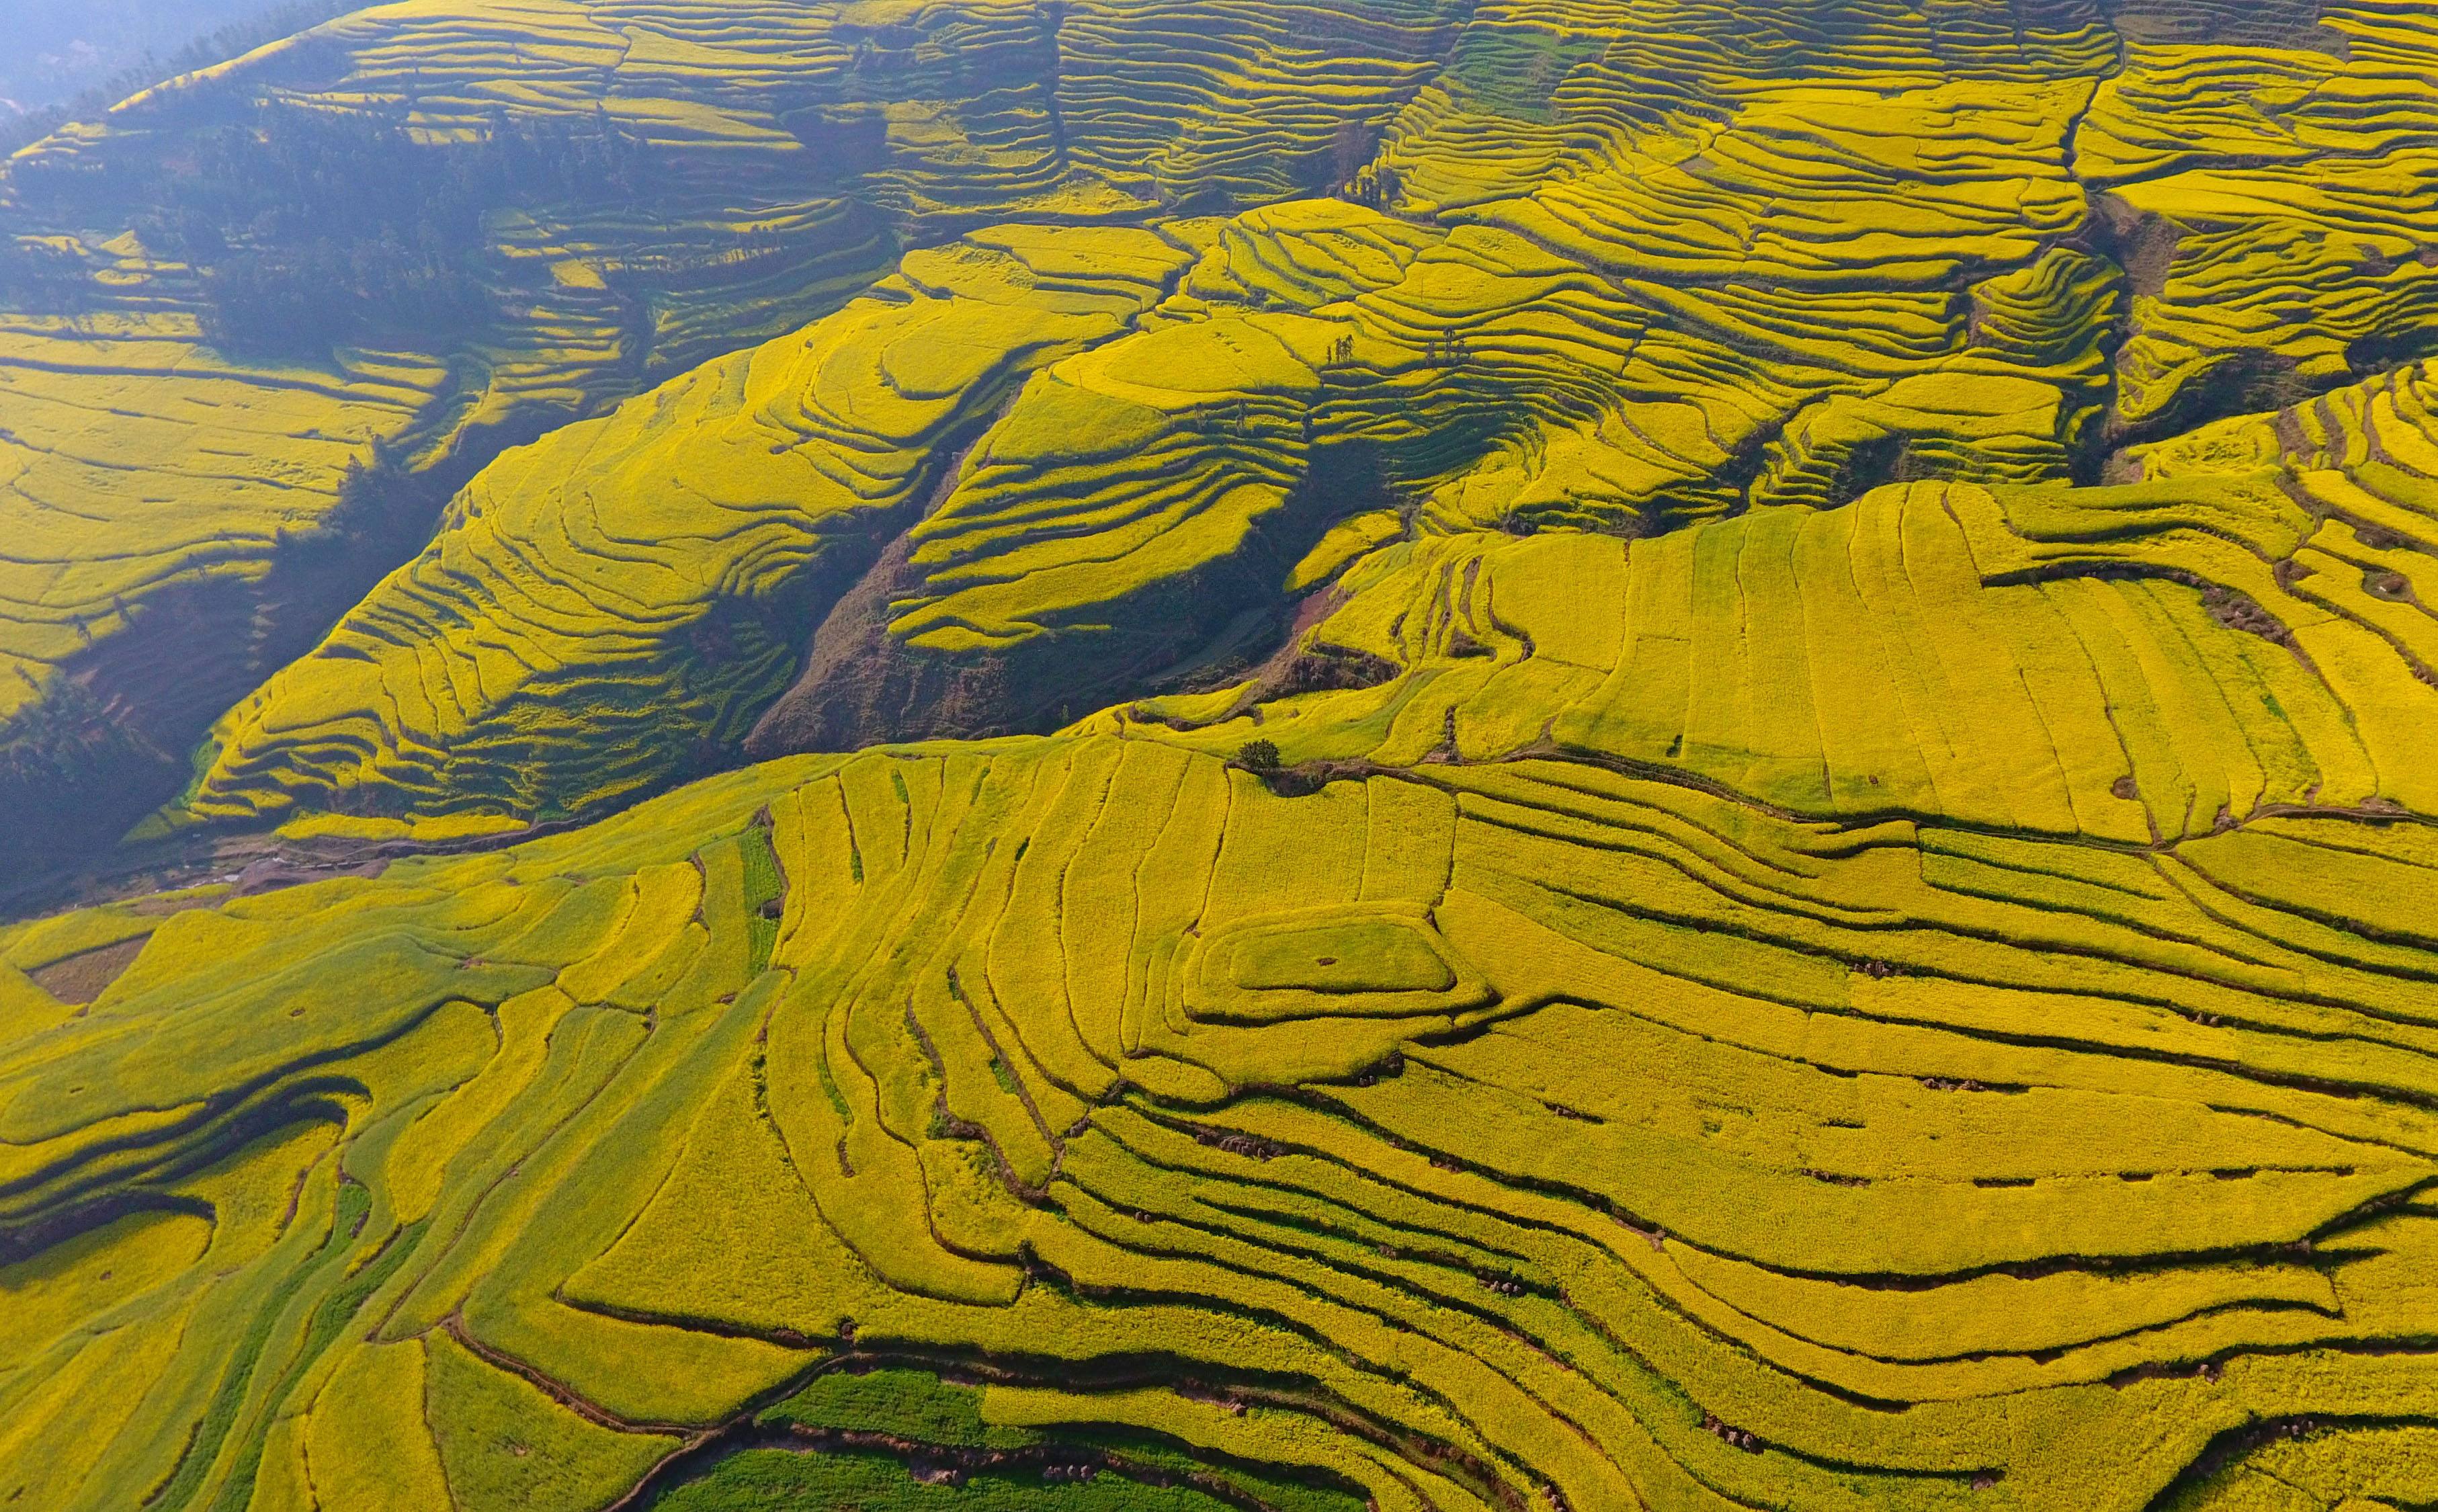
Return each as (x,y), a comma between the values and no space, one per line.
(768,1480)
(1357,958)
(899,1403)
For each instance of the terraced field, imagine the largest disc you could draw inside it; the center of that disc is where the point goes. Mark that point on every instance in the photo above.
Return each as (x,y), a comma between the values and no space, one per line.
(1139,757)
(1462,1133)
(637,189)
(729,504)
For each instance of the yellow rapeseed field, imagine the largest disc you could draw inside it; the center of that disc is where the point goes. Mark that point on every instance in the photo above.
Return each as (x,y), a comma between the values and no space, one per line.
(1563,755)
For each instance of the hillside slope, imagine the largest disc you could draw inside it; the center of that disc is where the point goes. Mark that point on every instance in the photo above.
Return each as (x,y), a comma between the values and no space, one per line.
(1847,257)
(450,229)
(1150,756)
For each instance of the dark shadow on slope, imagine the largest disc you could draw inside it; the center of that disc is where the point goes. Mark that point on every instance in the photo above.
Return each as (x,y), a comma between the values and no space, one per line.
(112,739)
(2373,355)
(861,686)
(2225,23)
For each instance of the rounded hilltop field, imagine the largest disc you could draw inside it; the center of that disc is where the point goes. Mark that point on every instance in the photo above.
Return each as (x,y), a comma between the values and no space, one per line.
(1238,756)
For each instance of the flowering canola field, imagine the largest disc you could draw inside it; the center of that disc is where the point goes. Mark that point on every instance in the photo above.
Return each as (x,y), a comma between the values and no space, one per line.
(1557,756)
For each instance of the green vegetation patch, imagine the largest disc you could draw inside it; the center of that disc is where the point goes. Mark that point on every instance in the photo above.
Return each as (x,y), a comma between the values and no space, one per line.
(908,1404)
(778,1480)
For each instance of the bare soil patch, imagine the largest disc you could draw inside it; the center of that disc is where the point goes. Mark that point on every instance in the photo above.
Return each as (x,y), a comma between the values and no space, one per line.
(83,976)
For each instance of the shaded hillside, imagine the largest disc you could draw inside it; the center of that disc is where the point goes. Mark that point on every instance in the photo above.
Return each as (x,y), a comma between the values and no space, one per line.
(1624,329)
(404,230)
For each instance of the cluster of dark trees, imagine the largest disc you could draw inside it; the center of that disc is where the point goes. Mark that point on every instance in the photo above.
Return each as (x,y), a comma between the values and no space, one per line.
(37,275)
(1374,184)
(311,227)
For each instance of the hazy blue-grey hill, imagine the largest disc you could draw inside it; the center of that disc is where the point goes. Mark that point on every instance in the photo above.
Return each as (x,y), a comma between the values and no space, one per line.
(53,50)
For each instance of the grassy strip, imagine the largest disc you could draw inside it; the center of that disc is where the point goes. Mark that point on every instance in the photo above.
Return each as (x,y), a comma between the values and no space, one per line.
(328,1320)
(769,1480)
(202,1451)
